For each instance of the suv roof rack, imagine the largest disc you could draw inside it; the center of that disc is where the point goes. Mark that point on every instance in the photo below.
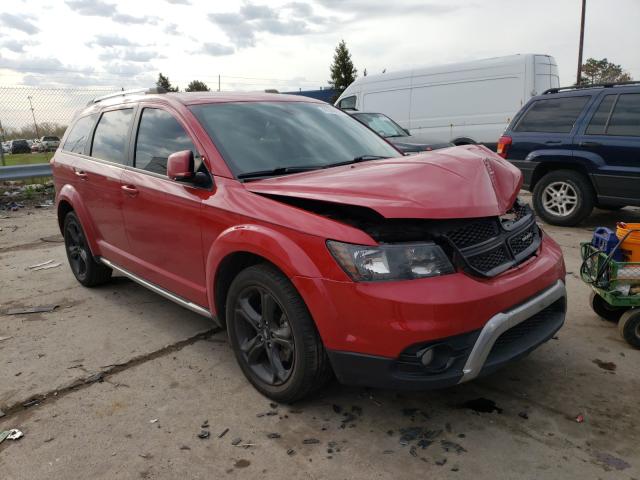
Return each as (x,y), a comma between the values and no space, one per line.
(124,93)
(597,85)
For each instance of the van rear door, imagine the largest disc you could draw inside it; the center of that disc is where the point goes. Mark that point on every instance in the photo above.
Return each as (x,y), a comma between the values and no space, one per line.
(545,74)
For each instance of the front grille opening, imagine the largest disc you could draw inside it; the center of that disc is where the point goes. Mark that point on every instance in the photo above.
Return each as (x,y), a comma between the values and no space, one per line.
(474,233)
(490,260)
(529,332)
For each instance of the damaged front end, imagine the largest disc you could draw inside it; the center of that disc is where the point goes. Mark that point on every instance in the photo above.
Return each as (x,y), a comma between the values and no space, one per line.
(483,247)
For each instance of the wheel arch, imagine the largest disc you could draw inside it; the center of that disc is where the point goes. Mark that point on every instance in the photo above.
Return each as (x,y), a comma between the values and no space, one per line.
(68,200)
(463,141)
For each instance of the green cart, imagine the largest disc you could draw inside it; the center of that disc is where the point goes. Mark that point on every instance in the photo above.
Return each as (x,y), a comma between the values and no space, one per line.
(615,292)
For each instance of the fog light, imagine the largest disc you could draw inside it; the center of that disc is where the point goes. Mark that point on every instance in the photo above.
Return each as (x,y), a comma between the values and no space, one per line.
(436,358)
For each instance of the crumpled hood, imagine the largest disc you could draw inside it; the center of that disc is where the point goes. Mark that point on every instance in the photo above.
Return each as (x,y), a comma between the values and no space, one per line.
(461,182)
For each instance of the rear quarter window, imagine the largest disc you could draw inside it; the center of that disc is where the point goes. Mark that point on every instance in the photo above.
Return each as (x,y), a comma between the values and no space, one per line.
(553,115)
(79,134)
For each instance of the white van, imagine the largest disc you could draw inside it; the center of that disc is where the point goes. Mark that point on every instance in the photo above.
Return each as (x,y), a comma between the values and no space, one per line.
(470,102)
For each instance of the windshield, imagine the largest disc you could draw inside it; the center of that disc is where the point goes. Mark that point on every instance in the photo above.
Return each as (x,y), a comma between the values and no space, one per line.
(263,136)
(381,124)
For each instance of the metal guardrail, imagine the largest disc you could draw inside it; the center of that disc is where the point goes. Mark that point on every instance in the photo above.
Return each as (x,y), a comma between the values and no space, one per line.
(18,172)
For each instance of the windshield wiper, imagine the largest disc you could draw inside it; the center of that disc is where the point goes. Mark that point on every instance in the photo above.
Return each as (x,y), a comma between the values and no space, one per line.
(278,171)
(361,158)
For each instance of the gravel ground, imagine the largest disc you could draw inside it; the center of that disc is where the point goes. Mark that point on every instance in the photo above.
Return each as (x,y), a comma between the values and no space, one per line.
(119,383)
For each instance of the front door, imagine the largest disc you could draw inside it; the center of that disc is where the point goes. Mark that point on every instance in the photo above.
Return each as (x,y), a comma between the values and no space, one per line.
(162,216)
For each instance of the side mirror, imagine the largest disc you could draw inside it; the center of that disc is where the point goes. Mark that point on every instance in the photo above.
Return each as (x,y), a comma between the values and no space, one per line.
(180,166)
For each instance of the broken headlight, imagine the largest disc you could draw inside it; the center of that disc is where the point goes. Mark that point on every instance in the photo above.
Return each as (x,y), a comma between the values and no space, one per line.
(407,261)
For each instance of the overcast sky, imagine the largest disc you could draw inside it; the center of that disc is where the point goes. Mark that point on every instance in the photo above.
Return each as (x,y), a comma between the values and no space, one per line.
(289,44)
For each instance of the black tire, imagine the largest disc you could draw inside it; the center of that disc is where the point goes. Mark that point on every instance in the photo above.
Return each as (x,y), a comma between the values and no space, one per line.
(84,266)
(604,310)
(288,360)
(629,327)
(578,188)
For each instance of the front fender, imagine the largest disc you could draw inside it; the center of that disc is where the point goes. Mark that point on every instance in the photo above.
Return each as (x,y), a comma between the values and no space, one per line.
(587,160)
(69,194)
(259,240)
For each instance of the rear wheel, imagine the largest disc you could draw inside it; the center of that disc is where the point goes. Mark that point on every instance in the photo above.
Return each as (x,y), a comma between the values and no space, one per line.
(629,327)
(563,197)
(85,268)
(273,335)
(604,310)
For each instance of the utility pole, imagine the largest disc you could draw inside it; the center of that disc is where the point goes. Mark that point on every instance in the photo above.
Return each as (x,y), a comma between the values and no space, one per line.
(579,76)
(34,117)
(1,142)
(218,82)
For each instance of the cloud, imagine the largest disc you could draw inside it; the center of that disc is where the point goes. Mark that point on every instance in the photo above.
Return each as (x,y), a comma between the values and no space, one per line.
(367,8)
(16,46)
(126,69)
(108,40)
(128,55)
(96,8)
(171,29)
(99,8)
(179,2)
(21,22)
(216,49)
(295,18)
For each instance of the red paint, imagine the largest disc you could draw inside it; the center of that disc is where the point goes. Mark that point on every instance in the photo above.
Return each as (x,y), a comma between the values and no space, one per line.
(176,235)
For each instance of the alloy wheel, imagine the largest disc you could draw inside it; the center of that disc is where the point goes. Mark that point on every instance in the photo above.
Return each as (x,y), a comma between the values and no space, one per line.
(77,249)
(264,335)
(560,198)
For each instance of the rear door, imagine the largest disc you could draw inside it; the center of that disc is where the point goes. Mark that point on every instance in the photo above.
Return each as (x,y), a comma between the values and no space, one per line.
(612,136)
(162,216)
(99,181)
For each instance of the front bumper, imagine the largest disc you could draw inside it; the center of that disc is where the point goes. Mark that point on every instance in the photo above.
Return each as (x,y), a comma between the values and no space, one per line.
(507,336)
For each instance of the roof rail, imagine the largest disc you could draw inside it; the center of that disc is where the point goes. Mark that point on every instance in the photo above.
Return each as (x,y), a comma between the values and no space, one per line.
(124,93)
(596,85)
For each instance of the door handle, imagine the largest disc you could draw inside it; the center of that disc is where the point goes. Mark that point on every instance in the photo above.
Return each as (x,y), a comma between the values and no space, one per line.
(130,190)
(80,174)
(589,144)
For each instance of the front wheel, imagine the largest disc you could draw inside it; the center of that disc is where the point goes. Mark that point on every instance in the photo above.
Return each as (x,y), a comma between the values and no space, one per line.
(629,327)
(273,335)
(563,197)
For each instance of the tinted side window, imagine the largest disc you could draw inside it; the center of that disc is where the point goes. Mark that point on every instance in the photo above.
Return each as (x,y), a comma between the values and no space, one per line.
(79,134)
(349,102)
(160,135)
(110,139)
(555,115)
(625,119)
(598,122)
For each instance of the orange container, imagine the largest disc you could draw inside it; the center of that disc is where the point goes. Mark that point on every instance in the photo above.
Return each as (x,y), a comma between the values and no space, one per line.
(631,245)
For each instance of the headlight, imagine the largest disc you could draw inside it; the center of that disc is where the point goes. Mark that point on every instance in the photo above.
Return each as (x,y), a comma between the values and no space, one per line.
(390,262)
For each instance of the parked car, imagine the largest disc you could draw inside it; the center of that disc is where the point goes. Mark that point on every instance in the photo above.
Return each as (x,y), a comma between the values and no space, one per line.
(36,146)
(19,146)
(6,147)
(49,143)
(319,246)
(394,133)
(578,148)
(463,103)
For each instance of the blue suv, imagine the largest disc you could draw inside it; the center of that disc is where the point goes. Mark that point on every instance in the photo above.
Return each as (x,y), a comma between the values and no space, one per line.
(578,148)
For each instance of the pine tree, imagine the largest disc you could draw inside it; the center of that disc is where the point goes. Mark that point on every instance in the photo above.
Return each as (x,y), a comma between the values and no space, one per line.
(343,73)
(197,86)
(163,82)
(602,71)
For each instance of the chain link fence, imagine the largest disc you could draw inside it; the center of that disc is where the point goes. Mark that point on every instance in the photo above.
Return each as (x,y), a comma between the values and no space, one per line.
(33,112)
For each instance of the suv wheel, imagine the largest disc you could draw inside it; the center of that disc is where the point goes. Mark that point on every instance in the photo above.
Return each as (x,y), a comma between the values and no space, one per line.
(563,197)
(84,266)
(273,335)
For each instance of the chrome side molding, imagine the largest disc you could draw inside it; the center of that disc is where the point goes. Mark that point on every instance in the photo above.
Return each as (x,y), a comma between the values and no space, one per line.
(159,290)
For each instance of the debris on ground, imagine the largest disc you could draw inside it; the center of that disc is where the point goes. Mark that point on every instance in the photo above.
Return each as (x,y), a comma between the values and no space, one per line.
(223,433)
(2,339)
(291,452)
(2,414)
(53,239)
(611,461)
(44,265)
(524,415)
(13,434)
(449,446)
(273,435)
(481,405)
(26,310)
(266,414)
(205,424)
(242,463)
(441,462)
(31,403)
(97,377)
(310,441)
(609,366)
(580,418)
(153,420)
(203,434)
(236,441)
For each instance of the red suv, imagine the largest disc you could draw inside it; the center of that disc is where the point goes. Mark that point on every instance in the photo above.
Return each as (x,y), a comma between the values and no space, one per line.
(321,248)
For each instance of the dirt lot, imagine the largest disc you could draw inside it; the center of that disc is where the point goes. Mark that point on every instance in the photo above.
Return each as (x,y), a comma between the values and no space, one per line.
(118,383)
